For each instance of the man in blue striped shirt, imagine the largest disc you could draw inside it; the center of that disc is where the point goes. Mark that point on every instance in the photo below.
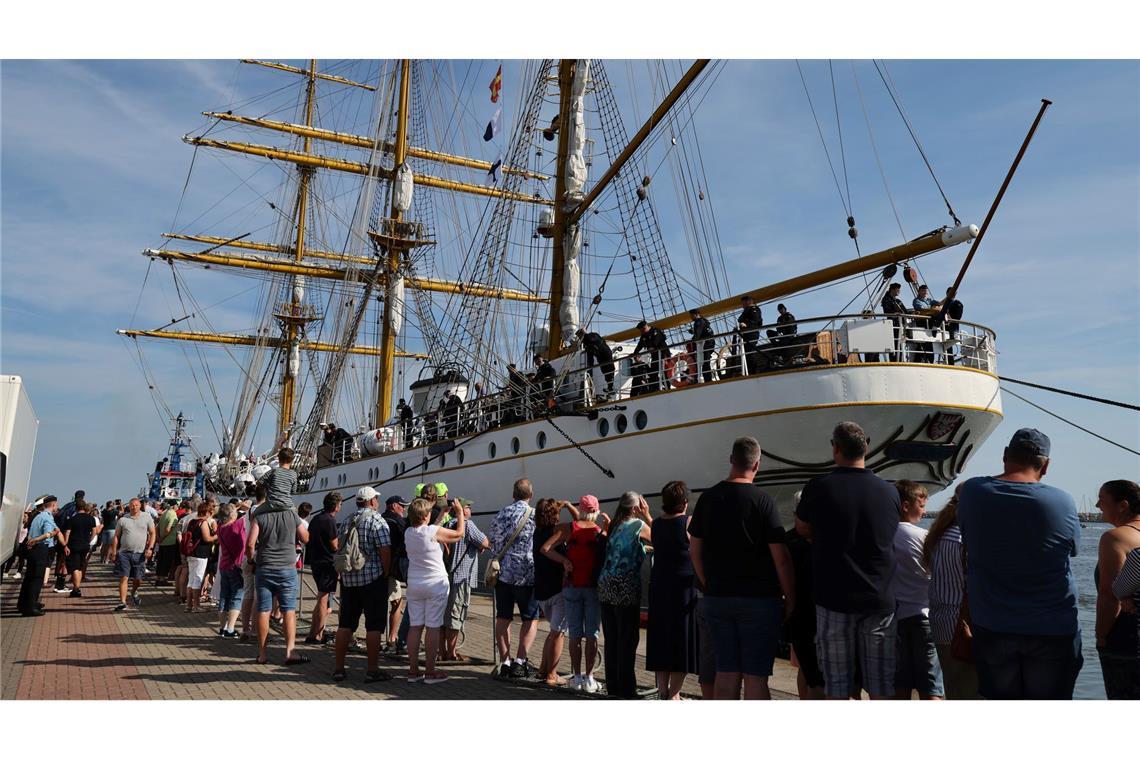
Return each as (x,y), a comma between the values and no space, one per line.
(464,560)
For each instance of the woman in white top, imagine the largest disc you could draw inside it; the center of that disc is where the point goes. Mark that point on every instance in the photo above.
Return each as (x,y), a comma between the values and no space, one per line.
(428,584)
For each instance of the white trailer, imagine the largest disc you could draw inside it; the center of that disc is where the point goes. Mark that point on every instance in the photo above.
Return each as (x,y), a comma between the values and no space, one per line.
(18,428)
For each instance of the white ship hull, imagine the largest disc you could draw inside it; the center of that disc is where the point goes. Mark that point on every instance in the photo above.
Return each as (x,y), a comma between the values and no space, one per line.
(686,435)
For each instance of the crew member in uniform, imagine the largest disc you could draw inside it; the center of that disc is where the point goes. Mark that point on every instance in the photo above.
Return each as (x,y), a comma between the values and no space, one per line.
(405,415)
(951,313)
(749,323)
(598,352)
(516,384)
(703,343)
(784,335)
(893,305)
(653,342)
(544,377)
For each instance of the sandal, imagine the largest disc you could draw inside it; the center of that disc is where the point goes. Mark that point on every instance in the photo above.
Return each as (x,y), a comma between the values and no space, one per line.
(415,677)
(311,640)
(339,675)
(297,659)
(376,676)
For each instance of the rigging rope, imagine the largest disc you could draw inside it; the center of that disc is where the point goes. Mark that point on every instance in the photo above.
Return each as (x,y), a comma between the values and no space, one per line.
(1070,422)
(1074,394)
(914,137)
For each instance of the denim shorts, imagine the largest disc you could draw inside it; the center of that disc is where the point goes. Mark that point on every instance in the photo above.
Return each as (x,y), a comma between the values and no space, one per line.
(583,612)
(508,596)
(916,659)
(745,632)
(231,588)
(279,582)
(130,565)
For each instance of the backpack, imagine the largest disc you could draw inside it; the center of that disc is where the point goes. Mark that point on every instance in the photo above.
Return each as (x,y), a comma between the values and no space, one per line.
(399,561)
(349,557)
(191,537)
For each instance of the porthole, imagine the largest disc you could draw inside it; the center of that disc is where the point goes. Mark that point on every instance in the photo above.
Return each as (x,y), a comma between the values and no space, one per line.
(641,419)
(395,470)
(541,440)
(515,445)
(461,457)
(603,427)
(491,450)
(621,423)
(403,467)
(442,460)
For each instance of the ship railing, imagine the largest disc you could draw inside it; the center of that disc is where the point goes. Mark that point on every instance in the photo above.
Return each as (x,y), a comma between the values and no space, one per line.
(845,339)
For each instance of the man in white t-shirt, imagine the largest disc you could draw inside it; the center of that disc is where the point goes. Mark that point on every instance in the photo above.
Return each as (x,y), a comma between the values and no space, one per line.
(916,660)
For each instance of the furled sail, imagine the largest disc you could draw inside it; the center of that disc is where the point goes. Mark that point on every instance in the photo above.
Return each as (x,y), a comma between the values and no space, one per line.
(396,296)
(571,283)
(402,191)
(576,162)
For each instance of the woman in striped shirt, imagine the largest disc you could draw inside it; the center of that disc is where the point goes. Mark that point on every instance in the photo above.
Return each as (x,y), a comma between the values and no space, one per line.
(943,555)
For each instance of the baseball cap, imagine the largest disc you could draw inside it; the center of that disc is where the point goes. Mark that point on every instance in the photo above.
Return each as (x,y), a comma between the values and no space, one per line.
(395,500)
(465,502)
(441,489)
(367,493)
(588,503)
(1030,440)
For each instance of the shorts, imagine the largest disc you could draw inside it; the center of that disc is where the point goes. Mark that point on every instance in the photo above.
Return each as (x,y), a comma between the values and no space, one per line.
(130,565)
(745,631)
(278,583)
(368,599)
(107,537)
(507,596)
(77,560)
(397,590)
(427,603)
(249,580)
(324,577)
(844,640)
(554,610)
(916,659)
(583,612)
(231,588)
(197,572)
(706,655)
(458,601)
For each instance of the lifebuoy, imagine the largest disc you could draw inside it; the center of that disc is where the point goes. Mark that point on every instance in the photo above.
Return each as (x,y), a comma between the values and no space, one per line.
(673,373)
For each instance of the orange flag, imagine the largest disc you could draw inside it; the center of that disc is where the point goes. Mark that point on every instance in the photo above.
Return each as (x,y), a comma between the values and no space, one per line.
(496,85)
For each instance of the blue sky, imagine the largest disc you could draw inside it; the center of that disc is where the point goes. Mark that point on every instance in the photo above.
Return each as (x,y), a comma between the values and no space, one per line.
(91,172)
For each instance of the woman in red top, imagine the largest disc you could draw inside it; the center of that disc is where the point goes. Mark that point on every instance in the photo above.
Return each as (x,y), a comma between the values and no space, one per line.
(231,553)
(585,545)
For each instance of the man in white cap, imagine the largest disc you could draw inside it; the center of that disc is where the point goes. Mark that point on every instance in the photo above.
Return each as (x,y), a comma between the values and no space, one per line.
(365,590)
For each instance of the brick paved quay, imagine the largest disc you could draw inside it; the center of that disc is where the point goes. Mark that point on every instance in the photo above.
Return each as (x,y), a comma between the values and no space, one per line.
(82,649)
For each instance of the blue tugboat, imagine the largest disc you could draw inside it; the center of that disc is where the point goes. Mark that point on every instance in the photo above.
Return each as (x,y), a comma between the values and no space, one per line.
(171,482)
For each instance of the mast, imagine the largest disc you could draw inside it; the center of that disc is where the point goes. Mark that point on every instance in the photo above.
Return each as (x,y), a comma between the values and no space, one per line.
(388,335)
(294,318)
(566,68)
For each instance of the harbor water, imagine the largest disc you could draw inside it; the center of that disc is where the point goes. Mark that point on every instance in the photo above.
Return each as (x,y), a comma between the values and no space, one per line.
(1090,685)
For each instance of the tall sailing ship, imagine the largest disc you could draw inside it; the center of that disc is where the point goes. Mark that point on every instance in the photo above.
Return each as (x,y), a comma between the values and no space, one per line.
(392,261)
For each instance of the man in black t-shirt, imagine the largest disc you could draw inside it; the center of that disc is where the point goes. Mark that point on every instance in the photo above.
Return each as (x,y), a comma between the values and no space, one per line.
(319,552)
(76,545)
(737,548)
(111,513)
(850,516)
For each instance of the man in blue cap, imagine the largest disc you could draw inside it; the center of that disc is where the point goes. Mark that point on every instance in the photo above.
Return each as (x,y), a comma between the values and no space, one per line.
(1020,535)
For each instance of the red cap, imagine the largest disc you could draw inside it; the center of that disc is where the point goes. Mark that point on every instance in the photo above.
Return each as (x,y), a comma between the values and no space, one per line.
(588,503)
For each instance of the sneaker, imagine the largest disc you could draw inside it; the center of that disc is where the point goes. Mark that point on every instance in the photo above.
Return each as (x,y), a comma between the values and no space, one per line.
(519,669)
(576,682)
(61,590)
(229,634)
(120,607)
(504,671)
(589,685)
(17,576)
(135,600)
(435,678)
(75,592)
(221,632)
